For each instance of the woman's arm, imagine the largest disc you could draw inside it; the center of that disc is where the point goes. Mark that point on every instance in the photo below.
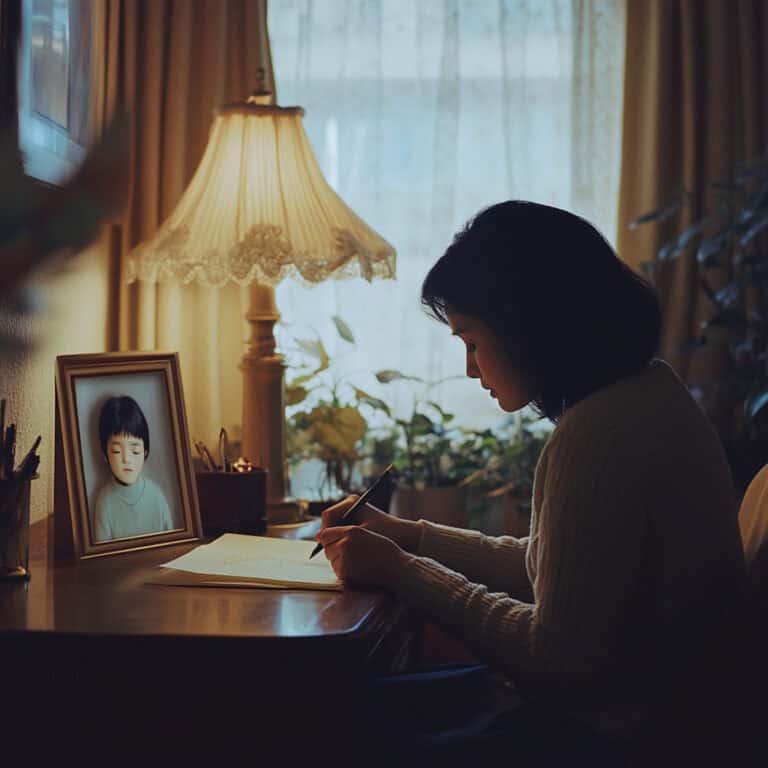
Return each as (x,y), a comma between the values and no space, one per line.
(496,561)
(588,553)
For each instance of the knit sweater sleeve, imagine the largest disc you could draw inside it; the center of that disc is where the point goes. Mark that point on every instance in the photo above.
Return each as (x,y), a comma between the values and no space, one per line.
(496,561)
(585,562)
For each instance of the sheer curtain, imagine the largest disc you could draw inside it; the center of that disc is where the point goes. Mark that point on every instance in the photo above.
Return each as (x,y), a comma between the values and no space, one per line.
(422,113)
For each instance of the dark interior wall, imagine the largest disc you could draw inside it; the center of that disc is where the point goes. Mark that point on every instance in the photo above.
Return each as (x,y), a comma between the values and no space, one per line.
(10,26)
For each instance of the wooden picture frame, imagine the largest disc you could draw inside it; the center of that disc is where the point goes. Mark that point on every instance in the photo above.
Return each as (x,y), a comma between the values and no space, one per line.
(124,478)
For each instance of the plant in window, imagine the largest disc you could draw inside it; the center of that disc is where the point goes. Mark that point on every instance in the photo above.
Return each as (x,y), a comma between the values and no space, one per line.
(327,415)
(728,247)
(427,448)
(514,449)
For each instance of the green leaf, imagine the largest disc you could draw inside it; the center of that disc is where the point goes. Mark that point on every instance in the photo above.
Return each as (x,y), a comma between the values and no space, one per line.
(337,430)
(374,402)
(712,246)
(659,214)
(755,404)
(421,424)
(324,359)
(343,329)
(299,380)
(445,416)
(729,295)
(754,230)
(295,395)
(315,348)
(385,376)
(472,476)
(668,250)
(693,231)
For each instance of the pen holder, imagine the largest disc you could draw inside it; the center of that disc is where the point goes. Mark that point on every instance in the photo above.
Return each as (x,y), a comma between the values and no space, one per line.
(14,528)
(233,502)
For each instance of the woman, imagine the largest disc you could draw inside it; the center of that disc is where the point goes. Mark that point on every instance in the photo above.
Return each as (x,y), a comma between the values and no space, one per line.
(604,617)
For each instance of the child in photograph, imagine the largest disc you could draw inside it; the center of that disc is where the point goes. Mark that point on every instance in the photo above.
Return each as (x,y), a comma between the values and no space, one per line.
(130,504)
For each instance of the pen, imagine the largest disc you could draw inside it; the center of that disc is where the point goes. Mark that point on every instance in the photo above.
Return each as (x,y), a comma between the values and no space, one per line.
(360,501)
(224,450)
(9,451)
(28,463)
(203,452)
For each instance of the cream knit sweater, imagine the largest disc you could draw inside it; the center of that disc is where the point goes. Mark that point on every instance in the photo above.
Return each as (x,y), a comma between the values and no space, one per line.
(633,557)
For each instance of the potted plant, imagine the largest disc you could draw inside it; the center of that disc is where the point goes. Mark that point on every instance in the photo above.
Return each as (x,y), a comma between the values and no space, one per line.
(503,491)
(727,245)
(435,460)
(328,418)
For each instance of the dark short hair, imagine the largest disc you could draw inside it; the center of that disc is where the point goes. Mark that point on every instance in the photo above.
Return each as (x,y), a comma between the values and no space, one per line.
(573,317)
(122,416)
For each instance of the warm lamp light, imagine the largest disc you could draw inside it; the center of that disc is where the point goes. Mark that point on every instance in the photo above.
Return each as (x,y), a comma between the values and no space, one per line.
(258,209)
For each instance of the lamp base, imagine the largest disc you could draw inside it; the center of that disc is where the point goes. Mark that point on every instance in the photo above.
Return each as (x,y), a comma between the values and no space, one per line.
(287,511)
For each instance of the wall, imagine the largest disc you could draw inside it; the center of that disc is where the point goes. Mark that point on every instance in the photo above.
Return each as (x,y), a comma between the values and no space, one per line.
(70,317)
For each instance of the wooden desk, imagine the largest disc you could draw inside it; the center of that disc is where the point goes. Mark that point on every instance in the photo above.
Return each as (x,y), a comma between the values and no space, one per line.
(91,642)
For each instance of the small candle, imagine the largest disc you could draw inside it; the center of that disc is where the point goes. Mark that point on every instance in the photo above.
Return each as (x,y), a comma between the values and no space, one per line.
(242,465)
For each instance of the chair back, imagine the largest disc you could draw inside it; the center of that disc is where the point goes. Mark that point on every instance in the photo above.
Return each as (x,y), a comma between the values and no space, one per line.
(753,516)
(753,524)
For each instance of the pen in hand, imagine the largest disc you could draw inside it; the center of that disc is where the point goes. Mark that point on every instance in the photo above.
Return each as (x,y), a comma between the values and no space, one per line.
(360,501)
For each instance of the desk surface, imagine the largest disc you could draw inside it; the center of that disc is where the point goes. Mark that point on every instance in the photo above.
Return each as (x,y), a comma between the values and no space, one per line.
(93,650)
(108,597)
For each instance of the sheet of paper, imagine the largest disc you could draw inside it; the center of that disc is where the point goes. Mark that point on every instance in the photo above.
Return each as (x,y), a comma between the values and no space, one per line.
(275,561)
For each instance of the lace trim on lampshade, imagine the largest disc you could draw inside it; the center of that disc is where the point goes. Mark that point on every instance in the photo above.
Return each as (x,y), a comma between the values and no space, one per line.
(262,255)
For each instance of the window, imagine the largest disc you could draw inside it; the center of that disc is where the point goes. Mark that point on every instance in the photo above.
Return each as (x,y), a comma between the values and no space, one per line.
(421,114)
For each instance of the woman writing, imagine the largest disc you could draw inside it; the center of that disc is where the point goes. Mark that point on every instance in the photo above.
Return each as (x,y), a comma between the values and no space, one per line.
(606,614)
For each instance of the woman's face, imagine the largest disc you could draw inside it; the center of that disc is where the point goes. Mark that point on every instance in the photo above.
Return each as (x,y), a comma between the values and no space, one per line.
(125,454)
(488,361)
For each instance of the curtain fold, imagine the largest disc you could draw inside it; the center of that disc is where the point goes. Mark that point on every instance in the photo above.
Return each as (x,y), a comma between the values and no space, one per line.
(695,83)
(169,64)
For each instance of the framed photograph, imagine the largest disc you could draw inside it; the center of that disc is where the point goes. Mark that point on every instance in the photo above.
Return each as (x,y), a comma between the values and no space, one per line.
(124,454)
(61,46)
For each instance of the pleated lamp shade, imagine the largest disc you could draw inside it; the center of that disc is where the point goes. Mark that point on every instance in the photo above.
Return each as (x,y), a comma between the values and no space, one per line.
(259,209)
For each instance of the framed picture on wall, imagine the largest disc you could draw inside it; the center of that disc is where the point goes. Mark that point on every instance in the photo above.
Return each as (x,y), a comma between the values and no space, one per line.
(61,50)
(123,455)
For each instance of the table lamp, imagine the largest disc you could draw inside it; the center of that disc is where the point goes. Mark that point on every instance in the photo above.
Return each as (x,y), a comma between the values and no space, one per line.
(257,210)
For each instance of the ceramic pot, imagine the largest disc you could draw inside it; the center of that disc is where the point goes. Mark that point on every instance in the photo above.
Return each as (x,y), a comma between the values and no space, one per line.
(440,504)
(516,515)
(315,508)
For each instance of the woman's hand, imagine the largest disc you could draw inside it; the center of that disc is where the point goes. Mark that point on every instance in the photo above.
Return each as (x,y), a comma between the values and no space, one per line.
(405,533)
(360,555)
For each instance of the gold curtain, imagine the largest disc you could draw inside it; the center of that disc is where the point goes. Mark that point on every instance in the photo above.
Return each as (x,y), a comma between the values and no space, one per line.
(169,64)
(694,104)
